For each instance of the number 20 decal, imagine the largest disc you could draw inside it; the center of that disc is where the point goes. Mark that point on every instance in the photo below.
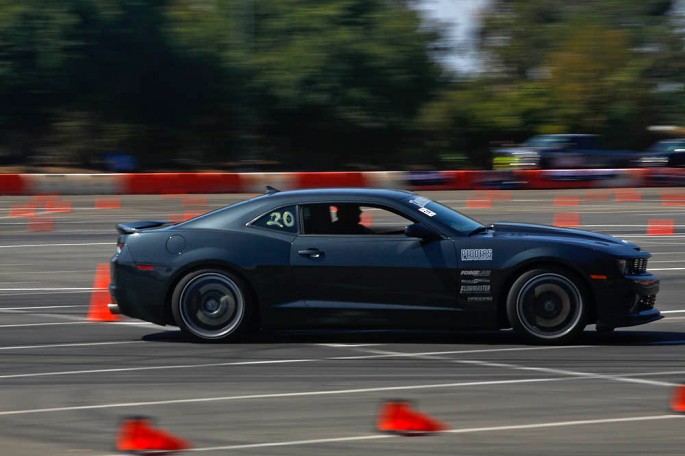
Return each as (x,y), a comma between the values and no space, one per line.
(287,219)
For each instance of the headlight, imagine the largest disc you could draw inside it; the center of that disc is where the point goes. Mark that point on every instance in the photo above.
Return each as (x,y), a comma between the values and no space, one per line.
(622,266)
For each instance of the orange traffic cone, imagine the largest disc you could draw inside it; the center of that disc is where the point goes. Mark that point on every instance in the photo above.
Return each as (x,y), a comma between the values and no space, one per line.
(138,436)
(661,227)
(108,203)
(566,219)
(478,203)
(100,298)
(399,418)
(567,200)
(678,399)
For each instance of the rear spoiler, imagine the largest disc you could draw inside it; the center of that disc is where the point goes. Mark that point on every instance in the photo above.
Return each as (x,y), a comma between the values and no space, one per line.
(132,227)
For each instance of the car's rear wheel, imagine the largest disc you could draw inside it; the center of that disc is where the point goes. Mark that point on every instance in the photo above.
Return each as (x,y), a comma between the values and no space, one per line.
(211,305)
(547,306)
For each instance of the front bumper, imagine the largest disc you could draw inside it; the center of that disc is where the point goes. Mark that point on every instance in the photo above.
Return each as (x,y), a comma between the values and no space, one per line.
(628,302)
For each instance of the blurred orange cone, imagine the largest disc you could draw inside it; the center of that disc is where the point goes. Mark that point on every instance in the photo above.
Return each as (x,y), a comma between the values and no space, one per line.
(22,210)
(567,200)
(678,399)
(673,199)
(366,219)
(42,223)
(628,195)
(194,200)
(660,227)
(566,219)
(100,298)
(108,203)
(138,436)
(398,417)
(478,203)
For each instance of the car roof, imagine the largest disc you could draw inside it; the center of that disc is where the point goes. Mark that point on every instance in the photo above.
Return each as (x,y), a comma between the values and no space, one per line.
(244,211)
(354,194)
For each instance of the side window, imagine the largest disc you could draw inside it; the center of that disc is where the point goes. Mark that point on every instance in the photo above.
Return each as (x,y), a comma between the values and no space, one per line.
(351,218)
(283,219)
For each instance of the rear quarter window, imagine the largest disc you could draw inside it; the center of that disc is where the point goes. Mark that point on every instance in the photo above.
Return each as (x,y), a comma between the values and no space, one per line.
(283,219)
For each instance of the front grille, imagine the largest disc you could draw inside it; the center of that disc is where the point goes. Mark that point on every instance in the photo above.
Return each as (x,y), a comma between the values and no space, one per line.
(638,266)
(644,303)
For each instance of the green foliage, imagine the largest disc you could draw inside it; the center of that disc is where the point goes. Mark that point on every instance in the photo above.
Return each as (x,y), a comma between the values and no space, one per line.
(554,66)
(321,85)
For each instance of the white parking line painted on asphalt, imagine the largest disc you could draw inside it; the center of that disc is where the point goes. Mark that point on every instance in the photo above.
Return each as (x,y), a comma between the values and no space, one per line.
(81,344)
(52,289)
(81,322)
(2,309)
(462,352)
(84,244)
(287,395)
(517,367)
(667,269)
(45,272)
(152,368)
(515,427)
(40,293)
(347,345)
(672,311)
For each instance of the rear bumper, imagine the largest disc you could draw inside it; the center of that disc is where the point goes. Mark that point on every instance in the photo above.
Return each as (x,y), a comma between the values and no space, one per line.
(628,302)
(138,294)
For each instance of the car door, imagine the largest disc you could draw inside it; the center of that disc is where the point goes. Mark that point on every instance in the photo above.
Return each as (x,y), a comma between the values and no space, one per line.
(373,278)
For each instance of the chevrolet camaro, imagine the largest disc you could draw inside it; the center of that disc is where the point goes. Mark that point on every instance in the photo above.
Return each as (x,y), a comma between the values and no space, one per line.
(374,259)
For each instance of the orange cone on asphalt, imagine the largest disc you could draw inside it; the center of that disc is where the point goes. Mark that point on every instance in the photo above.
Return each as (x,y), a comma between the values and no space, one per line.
(678,399)
(478,203)
(100,298)
(108,203)
(137,435)
(42,223)
(194,200)
(566,219)
(567,200)
(628,195)
(399,418)
(661,227)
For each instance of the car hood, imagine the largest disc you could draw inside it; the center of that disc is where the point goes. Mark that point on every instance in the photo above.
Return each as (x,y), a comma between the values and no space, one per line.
(559,234)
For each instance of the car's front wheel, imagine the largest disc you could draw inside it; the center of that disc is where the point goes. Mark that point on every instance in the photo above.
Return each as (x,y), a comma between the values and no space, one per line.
(547,306)
(211,305)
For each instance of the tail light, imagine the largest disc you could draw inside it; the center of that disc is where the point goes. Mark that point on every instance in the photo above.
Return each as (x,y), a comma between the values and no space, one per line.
(120,247)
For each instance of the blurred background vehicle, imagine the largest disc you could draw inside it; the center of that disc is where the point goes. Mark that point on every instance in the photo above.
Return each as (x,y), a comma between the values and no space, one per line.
(564,151)
(669,152)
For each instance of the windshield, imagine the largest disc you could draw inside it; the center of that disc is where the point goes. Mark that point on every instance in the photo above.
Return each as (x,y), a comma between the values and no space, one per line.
(449,218)
(668,146)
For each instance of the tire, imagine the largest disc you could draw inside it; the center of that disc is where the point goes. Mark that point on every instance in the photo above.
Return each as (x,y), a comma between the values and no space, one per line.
(547,306)
(211,305)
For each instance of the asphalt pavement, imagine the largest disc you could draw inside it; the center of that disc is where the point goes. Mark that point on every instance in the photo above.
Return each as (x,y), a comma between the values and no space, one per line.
(66,382)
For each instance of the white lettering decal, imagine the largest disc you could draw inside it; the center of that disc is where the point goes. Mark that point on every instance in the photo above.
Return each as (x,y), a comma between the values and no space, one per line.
(275,219)
(476,254)
(428,212)
(474,289)
(476,272)
(288,219)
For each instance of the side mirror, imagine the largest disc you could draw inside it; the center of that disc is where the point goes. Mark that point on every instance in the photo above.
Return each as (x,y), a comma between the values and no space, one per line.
(420,231)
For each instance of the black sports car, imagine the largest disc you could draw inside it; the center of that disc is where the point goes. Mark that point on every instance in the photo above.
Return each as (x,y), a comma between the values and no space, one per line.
(370,258)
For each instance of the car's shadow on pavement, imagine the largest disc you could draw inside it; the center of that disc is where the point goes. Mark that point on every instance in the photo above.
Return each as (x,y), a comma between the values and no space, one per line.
(621,337)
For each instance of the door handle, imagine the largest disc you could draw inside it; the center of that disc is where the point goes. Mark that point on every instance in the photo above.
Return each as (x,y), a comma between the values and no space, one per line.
(312,253)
